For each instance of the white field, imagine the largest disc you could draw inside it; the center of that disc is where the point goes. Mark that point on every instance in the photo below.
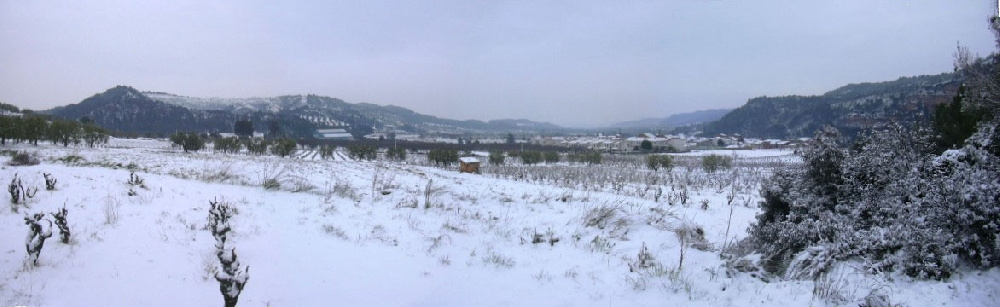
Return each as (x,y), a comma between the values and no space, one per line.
(335,242)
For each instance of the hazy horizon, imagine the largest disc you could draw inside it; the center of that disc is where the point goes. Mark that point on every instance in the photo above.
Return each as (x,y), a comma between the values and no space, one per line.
(574,64)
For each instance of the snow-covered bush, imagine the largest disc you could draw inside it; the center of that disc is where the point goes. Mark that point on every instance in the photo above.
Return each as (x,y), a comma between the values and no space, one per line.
(601,216)
(888,201)
(37,233)
(232,278)
(219,214)
(692,235)
(644,260)
(60,217)
(23,158)
(50,182)
(135,180)
(18,194)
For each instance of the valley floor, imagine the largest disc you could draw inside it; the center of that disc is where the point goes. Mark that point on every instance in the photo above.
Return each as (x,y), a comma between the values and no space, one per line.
(358,233)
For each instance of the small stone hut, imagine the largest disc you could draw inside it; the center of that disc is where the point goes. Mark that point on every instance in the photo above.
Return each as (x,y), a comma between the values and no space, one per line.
(468,165)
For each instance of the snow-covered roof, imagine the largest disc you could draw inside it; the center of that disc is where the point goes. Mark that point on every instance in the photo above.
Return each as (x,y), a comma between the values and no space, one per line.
(468,160)
(334,130)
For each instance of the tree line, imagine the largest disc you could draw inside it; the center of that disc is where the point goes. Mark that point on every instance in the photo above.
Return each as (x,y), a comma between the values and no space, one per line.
(33,128)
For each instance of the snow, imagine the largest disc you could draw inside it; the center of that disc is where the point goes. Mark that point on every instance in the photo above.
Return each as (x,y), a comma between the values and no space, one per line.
(340,241)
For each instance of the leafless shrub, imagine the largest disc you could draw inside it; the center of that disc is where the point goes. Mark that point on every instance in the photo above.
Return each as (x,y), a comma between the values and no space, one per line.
(832,289)
(691,234)
(661,218)
(343,189)
(438,241)
(300,184)
(23,158)
(643,261)
(601,216)
(431,190)
(499,260)
(272,175)
(222,173)
(599,244)
(335,231)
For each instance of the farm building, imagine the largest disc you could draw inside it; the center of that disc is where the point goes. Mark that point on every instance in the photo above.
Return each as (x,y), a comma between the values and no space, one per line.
(468,165)
(332,134)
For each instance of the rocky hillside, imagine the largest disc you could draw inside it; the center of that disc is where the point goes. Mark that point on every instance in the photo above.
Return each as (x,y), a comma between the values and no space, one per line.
(850,108)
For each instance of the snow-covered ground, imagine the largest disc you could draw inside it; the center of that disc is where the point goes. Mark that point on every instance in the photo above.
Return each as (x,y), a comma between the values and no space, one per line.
(357,233)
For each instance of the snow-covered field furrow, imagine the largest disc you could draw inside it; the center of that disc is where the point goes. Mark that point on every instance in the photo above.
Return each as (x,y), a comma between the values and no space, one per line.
(357,233)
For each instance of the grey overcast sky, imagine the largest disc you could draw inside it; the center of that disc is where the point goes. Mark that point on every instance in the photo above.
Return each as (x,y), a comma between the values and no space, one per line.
(573,63)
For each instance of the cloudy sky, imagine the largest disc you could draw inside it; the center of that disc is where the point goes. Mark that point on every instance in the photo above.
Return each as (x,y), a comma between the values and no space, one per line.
(574,63)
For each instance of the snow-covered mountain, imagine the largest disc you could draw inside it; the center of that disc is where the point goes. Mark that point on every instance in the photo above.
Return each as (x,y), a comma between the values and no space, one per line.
(128,110)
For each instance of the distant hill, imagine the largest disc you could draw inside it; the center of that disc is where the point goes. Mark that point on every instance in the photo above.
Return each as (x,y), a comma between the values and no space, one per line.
(851,108)
(676,120)
(128,110)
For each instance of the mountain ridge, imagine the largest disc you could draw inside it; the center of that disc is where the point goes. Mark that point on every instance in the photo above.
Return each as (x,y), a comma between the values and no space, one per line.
(126,109)
(851,108)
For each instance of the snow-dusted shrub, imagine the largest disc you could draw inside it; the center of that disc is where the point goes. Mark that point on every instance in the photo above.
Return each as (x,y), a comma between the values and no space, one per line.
(60,218)
(344,189)
(232,278)
(271,184)
(812,262)
(219,214)
(500,261)
(135,180)
(832,289)
(798,203)
(50,182)
(601,216)
(644,260)
(692,235)
(272,176)
(888,201)
(23,158)
(18,194)
(37,233)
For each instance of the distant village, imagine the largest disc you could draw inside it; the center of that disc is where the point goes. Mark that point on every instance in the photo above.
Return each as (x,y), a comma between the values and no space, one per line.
(596,141)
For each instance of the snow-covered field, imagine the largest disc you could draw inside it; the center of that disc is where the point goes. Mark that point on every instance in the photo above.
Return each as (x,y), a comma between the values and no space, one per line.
(357,233)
